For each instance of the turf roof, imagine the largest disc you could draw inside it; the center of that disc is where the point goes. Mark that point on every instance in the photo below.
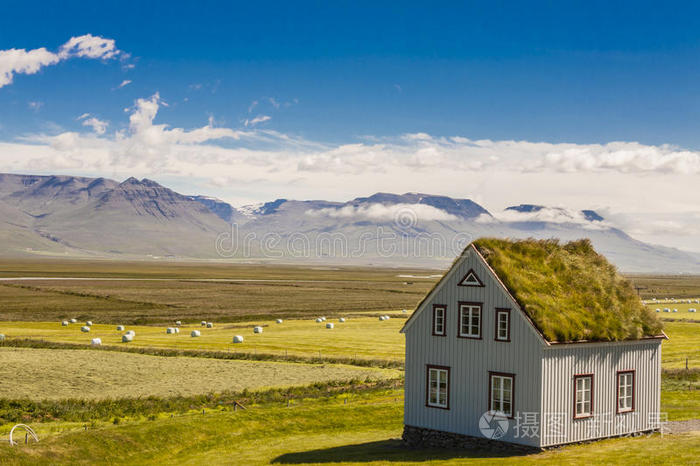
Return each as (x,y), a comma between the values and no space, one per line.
(569,291)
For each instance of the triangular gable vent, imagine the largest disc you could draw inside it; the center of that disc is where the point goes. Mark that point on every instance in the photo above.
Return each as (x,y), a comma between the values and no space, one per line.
(470,279)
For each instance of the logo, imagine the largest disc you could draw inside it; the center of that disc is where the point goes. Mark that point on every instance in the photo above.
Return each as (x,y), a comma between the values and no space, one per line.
(405,218)
(493,424)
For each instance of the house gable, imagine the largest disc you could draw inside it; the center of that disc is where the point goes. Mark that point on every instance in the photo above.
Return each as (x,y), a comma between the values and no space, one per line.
(470,264)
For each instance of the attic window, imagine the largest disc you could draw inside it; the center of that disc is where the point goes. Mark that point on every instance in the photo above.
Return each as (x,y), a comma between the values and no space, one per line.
(471,279)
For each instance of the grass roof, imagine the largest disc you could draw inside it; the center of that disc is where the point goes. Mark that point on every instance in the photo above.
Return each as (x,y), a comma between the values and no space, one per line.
(570,292)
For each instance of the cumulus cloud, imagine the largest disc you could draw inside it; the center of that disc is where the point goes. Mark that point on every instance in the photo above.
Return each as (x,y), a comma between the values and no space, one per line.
(560,215)
(97,125)
(381,212)
(258,119)
(22,61)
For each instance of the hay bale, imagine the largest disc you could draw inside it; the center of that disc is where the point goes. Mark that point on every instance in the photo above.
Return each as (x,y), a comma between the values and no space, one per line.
(675,310)
(387,317)
(85,328)
(257,329)
(319,320)
(74,321)
(177,330)
(405,311)
(88,323)
(195,333)
(120,328)
(342,319)
(329,325)
(210,325)
(658,310)
(204,323)
(2,337)
(692,309)
(382,318)
(64,323)
(131,332)
(178,323)
(323,319)
(170,330)
(96,342)
(238,339)
(279,321)
(127,337)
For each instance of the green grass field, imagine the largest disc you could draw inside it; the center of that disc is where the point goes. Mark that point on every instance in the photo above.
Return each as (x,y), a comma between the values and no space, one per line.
(40,374)
(147,409)
(364,431)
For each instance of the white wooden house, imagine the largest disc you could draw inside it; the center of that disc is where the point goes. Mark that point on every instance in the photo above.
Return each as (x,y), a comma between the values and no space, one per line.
(478,366)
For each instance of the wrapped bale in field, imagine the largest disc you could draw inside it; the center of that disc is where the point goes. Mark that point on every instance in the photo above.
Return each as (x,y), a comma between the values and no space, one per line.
(127,337)
(2,337)
(329,325)
(279,321)
(257,329)
(96,342)
(131,332)
(85,328)
(195,333)
(319,320)
(238,339)
(178,323)
(170,330)
(88,323)
(177,330)
(204,323)
(73,321)
(64,323)
(120,328)
(342,319)
(210,325)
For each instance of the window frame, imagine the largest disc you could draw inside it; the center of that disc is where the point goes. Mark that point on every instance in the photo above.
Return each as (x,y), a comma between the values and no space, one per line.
(499,311)
(510,376)
(633,372)
(592,391)
(428,404)
(478,284)
(460,304)
(442,307)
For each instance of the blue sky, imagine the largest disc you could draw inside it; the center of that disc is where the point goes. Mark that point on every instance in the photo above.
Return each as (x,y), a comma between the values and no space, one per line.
(340,99)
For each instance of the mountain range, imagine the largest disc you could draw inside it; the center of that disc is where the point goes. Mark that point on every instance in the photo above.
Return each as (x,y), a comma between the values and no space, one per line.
(70,216)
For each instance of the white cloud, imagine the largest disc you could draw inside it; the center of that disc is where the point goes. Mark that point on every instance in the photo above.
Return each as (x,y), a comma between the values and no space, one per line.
(35,105)
(559,215)
(381,212)
(97,125)
(124,83)
(256,120)
(22,61)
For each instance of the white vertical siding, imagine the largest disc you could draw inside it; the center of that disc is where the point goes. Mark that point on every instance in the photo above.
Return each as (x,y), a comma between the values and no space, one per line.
(471,360)
(561,363)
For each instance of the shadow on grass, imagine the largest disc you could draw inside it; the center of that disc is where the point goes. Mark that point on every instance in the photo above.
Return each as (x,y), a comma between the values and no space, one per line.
(392,450)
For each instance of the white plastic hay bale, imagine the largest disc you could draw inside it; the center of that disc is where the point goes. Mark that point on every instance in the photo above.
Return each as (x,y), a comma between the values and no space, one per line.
(88,323)
(204,323)
(257,329)
(238,339)
(692,309)
(178,323)
(279,321)
(329,325)
(131,332)
(170,330)
(195,333)
(73,321)
(667,309)
(177,330)
(658,310)
(323,319)
(387,317)
(319,320)
(210,325)
(85,328)
(127,337)
(2,337)
(382,318)
(120,328)
(64,323)
(405,311)
(342,319)
(675,310)
(96,342)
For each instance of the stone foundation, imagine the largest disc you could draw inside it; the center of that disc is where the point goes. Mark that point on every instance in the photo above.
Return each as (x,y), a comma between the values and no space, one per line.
(420,437)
